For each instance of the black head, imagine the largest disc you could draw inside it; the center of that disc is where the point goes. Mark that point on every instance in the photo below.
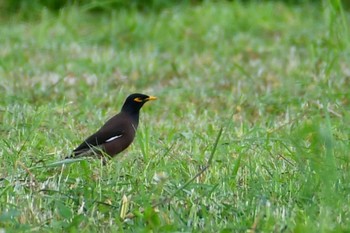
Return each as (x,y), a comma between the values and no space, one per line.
(134,102)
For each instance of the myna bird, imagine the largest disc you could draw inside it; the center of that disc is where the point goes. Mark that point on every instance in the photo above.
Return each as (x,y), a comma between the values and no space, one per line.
(117,133)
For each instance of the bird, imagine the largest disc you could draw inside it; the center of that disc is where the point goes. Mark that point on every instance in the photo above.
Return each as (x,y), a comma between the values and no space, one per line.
(117,133)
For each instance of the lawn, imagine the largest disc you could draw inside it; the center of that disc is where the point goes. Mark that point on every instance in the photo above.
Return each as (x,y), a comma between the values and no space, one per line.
(250,132)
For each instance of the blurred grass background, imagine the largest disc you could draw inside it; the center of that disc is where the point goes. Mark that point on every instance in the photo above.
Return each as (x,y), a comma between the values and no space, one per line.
(273,74)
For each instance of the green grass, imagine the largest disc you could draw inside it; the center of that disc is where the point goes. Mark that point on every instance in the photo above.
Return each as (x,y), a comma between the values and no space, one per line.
(275,77)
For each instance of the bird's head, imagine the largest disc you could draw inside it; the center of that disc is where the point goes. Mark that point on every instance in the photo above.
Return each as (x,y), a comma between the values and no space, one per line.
(134,102)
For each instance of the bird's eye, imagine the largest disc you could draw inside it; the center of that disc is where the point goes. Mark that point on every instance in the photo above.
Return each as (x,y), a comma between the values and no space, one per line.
(138,99)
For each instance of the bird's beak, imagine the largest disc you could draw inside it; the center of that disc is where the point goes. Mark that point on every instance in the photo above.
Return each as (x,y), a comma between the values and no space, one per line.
(151,98)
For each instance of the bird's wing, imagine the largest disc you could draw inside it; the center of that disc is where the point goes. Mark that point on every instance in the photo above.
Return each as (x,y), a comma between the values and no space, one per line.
(99,138)
(115,128)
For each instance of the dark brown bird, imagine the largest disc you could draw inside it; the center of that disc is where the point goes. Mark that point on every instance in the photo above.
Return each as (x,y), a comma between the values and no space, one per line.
(117,133)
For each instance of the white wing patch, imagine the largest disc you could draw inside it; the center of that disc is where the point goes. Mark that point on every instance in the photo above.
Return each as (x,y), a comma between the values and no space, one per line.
(113,138)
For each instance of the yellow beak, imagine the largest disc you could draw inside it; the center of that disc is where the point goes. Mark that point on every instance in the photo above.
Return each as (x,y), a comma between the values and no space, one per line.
(151,98)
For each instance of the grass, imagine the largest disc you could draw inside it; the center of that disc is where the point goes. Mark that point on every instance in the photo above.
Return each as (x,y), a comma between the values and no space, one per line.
(275,77)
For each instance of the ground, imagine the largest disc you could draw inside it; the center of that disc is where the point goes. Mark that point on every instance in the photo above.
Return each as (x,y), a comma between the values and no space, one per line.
(273,77)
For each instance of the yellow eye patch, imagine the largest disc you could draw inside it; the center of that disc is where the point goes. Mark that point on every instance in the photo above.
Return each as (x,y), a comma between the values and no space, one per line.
(138,99)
